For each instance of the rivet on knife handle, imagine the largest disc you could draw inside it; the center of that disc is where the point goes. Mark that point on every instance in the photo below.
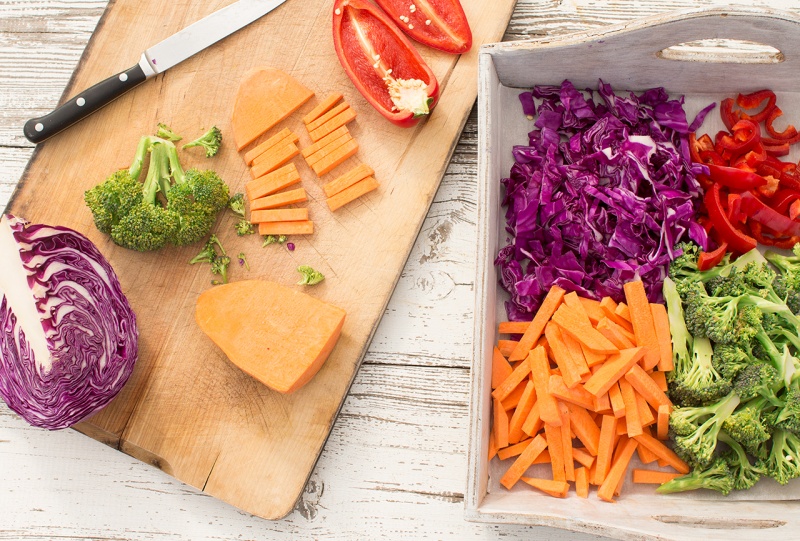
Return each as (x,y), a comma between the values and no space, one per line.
(79,107)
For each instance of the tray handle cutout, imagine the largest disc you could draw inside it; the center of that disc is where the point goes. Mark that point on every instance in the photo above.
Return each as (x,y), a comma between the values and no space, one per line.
(723,51)
(720,524)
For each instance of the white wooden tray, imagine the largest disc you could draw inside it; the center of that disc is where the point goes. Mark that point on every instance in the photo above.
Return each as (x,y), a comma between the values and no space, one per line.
(630,56)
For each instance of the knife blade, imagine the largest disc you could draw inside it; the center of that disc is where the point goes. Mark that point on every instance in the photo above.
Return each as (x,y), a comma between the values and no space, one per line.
(154,60)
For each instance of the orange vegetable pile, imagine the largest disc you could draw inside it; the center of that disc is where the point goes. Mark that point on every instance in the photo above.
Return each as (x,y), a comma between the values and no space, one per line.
(583,389)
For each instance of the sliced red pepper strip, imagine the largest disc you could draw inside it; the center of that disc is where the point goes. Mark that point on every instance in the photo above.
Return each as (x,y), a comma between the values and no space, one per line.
(736,179)
(694,148)
(729,116)
(773,141)
(762,213)
(788,133)
(785,243)
(712,157)
(746,135)
(753,100)
(376,56)
(709,260)
(783,199)
(735,213)
(440,24)
(794,210)
(777,150)
(737,241)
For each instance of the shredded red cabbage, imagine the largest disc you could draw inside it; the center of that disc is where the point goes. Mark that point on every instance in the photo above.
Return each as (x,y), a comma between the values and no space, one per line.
(601,194)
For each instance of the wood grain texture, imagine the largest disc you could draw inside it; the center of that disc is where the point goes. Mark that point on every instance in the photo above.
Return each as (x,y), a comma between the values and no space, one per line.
(395,462)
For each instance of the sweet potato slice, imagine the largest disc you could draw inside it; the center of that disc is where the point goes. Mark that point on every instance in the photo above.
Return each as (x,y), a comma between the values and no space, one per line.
(285,338)
(266,96)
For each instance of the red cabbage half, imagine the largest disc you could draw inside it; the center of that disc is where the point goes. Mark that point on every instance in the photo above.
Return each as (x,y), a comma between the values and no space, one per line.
(600,194)
(68,338)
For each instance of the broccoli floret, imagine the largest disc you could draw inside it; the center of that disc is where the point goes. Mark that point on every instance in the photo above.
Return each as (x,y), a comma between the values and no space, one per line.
(211,141)
(243,228)
(717,476)
(783,462)
(220,261)
(243,261)
(681,338)
(754,378)
(113,199)
(746,427)
(729,359)
(165,132)
(744,474)
(700,383)
(310,276)
(236,204)
(787,416)
(697,447)
(273,239)
(787,282)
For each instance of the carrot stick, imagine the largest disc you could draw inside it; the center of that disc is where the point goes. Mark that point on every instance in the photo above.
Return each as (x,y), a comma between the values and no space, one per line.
(566,442)
(322,107)
(500,425)
(278,215)
(577,395)
(604,405)
(328,149)
(284,136)
(336,158)
(336,122)
(510,402)
(359,172)
(662,426)
(279,200)
(273,159)
(632,419)
(582,456)
(571,323)
(540,371)
(500,368)
(645,386)
(534,330)
(646,455)
(646,415)
(506,347)
(653,477)
(582,482)
(642,321)
(562,355)
(556,489)
(555,444)
(609,309)
(314,147)
(621,443)
(492,447)
(622,428)
(513,327)
(572,300)
(663,452)
(615,334)
(661,322)
(316,123)
(575,349)
(512,380)
(534,422)
(585,428)
(520,415)
(608,434)
(348,195)
(592,357)
(612,370)
(286,228)
(592,309)
(660,378)
(523,462)
(623,311)
(272,182)
(617,404)
(513,450)
(617,472)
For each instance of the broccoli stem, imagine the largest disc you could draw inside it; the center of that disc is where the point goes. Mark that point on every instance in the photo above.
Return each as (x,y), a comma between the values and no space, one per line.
(138,160)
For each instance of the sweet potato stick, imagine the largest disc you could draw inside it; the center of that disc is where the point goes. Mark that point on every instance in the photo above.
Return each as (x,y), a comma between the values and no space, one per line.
(506,347)
(521,412)
(582,482)
(608,436)
(562,355)
(492,447)
(534,331)
(582,456)
(646,415)
(617,404)
(328,139)
(613,369)
(510,402)
(642,321)
(342,182)
(278,200)
(572,300)
(500,425)
(575,349)
(586,334)
(328,115)
(623,311)
(653,477)
(615,334)
(540,371)
(323,107)
(661,322)
(584,428)
(501,369)
(645,386)
(662,426)
(577,395)
(566,442)
(555,444)
(523,462)
(617,472)
(592,309)
(513,327)
(646,455)
(534,422)
(660,378)
(513,450)
(556,489)
(632,420)
(303,227)
(514,378)
(663,452)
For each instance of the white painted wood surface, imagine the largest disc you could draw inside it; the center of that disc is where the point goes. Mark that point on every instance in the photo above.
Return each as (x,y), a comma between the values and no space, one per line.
(395,463)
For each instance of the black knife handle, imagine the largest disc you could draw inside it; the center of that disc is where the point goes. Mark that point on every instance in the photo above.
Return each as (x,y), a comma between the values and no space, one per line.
(79,107)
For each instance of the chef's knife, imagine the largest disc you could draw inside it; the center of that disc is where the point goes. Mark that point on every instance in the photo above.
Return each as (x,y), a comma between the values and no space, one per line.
(157,59)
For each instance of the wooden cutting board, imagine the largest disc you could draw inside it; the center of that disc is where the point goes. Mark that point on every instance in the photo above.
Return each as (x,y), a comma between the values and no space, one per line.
(186,408)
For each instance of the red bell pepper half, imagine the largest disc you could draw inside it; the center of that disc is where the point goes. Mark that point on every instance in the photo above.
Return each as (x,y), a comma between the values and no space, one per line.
(737,241)
(440,24)
(382,63)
